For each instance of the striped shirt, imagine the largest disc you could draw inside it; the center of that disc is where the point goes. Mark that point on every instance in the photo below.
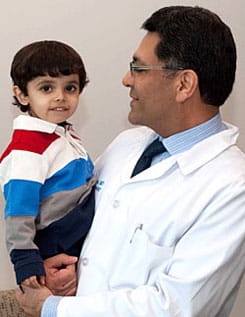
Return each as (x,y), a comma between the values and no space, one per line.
(185,140)
(44,173)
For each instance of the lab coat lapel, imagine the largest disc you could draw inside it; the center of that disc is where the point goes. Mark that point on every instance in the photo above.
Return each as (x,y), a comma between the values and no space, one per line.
(155,171)
(135,149)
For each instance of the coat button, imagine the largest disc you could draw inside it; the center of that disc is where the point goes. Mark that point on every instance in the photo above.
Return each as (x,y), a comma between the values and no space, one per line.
(116,203)
(85,261)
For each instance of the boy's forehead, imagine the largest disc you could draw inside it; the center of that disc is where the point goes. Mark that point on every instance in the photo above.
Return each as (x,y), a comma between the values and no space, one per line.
(52,79)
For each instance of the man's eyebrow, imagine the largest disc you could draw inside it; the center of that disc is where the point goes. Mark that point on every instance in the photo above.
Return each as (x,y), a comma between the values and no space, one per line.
(137,59)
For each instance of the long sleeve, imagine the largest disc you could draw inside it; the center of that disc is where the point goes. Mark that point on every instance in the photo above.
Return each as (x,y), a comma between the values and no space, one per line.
(22,175)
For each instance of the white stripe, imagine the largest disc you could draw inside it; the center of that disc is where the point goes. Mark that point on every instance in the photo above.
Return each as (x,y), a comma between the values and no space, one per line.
(23,165)
(38,167)
(25,122)
(62,153)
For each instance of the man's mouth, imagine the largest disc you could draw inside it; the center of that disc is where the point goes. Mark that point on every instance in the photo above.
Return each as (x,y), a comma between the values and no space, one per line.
(134,97)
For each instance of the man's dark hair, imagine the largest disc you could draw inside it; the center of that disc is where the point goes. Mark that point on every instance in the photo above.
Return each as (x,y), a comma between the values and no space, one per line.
(196,38)
(42,58)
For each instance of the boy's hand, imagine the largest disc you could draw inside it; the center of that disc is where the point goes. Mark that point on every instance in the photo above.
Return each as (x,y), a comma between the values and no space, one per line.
(61,277)
(33,282)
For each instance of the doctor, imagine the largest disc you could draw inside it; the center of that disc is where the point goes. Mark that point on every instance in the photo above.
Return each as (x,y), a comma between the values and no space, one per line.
(167,240)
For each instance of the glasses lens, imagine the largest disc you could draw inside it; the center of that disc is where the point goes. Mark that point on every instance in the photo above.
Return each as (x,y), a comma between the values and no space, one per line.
(131,68)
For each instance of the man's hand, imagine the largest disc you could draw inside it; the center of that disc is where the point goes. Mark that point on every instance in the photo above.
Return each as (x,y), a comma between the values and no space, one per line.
(61,277)
(32,299)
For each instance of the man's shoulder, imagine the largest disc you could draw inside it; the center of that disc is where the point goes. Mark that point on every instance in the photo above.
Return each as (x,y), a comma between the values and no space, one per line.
(233,160)
(123,145)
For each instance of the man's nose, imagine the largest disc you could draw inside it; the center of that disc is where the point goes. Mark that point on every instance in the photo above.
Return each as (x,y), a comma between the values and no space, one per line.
(127,80)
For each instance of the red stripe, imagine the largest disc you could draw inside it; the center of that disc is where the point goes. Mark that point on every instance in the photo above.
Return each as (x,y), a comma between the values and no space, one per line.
(75,137)
(31,141)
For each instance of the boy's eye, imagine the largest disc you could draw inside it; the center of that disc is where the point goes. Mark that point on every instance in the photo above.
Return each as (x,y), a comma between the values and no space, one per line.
(46,88)
(71,88)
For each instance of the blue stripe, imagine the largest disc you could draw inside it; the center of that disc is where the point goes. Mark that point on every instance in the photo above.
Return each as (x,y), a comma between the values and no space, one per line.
(50,306)
(73,175)
(22,198)
(185,140)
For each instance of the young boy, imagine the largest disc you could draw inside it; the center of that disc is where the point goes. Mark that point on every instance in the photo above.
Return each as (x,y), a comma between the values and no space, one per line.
(45,172)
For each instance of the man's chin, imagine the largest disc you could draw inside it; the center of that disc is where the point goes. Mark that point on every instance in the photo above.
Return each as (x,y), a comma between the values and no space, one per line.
(132,118)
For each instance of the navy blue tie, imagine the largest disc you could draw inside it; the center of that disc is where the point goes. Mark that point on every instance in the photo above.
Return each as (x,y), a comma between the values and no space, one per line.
(155,148)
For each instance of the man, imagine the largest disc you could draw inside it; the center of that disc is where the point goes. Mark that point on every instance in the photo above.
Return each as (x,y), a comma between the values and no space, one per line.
(167,240)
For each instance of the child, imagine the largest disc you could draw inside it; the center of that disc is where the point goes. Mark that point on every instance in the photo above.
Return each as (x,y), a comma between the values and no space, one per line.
(45,172)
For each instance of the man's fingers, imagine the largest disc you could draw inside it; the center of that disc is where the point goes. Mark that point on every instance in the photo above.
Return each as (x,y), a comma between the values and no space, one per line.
(71,292)
(69,260)
(61,275)
(32,299)
(66,288)
(59,260)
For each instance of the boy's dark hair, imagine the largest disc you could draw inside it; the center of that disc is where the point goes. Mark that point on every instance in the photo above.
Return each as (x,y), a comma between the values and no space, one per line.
(196,38)
(42,58)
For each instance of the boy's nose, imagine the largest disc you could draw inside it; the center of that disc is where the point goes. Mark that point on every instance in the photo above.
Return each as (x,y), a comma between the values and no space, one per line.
(59,96)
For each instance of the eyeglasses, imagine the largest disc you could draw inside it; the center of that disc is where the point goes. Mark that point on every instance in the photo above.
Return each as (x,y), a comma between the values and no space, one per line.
(134,68)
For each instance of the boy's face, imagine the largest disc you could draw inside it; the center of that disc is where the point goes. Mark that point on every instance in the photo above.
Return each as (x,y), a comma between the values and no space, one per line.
(53,99)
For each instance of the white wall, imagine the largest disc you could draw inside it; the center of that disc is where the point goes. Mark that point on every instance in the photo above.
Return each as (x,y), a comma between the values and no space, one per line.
(105,33)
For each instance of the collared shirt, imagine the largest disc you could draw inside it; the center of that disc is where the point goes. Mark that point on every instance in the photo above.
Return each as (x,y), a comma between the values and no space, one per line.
(185,140)
(41,164)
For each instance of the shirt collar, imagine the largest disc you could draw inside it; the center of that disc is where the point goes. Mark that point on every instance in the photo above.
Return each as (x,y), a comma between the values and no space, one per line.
(185,140)
(26,122)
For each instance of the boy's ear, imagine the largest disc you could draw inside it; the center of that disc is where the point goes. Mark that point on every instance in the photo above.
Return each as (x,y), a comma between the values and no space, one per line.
(22,98)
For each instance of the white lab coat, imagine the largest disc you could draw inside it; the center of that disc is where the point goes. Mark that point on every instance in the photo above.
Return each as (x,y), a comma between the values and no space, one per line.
(171,240)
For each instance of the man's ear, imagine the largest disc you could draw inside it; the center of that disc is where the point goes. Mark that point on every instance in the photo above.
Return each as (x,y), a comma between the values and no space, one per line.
(22,98)
(187,83)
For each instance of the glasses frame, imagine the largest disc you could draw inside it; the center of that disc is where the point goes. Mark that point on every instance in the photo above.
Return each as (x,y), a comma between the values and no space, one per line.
(133,67)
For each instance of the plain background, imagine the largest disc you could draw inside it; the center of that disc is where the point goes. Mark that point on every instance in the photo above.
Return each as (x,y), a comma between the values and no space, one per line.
(105,33)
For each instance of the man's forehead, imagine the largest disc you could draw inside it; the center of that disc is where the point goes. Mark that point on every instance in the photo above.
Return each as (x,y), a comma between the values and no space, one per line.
(147,48)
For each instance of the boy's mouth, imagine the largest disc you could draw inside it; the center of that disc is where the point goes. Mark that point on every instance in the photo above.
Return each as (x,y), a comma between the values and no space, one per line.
(59,109)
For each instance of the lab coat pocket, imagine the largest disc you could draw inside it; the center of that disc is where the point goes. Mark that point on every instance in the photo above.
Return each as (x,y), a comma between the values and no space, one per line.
(139,261)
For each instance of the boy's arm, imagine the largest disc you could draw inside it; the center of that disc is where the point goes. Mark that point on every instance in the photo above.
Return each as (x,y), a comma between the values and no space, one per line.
(61,270)
(20,231)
